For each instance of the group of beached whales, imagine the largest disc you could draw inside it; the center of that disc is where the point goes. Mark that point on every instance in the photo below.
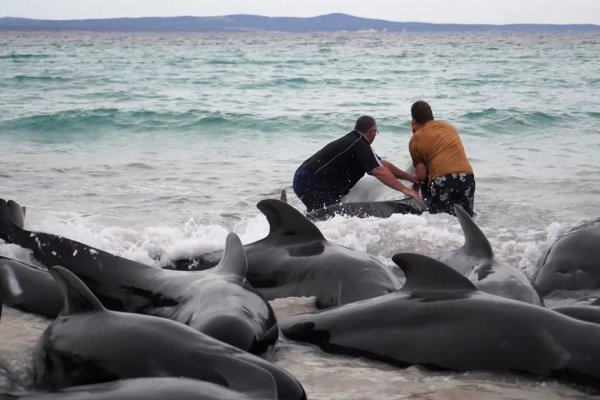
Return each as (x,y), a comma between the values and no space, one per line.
(126,330)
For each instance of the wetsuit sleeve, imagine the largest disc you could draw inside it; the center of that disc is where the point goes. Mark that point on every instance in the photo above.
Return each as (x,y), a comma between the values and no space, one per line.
(366,157)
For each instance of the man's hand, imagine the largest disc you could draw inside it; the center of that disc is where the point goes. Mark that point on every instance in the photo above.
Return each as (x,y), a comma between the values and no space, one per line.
(414,179)
(414,194)
(386,177)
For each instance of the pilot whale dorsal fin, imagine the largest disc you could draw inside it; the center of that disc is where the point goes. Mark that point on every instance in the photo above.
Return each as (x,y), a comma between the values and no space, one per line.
(76,296)
(425,274)
(476,244)
(285,220)
(234,259)
(283,196)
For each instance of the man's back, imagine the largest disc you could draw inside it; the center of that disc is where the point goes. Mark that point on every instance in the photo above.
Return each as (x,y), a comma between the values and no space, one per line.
(341,163)
(437,145)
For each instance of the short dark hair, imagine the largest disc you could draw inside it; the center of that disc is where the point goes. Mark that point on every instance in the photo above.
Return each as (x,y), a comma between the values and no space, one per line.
(421,112)
(364,124)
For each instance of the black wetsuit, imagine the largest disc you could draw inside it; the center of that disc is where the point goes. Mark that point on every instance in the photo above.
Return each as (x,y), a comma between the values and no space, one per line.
(329,175)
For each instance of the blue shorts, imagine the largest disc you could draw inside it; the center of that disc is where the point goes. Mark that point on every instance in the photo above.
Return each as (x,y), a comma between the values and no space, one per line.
(311,192)
(444,192)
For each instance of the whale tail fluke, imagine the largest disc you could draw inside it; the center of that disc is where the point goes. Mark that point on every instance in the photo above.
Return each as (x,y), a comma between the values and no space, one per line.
(12,217)
(17,213)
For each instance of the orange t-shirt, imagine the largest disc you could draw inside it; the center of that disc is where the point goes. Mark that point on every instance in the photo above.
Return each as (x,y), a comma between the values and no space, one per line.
(438,146)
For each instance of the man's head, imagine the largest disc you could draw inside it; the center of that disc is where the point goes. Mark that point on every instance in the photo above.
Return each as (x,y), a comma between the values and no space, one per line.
(420,113)
(367,126)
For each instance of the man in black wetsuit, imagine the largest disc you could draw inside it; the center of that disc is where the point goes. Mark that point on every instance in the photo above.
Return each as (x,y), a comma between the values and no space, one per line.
(329,175)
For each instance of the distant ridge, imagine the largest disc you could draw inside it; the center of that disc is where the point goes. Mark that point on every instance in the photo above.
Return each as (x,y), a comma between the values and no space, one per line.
(249,23)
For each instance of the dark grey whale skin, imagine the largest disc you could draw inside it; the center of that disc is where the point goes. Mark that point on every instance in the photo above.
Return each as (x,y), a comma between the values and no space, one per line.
(364,209)
(440,320)
(476,260)
(217,301)
(29,288)
(136,389)
(89,344)
(296,260)
(572,262)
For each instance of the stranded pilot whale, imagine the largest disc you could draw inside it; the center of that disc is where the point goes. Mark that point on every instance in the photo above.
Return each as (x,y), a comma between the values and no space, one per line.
(440,320)
(370,198)
(476,260)
(363,209)
(296,260)
(29,288)
(217,301)
(89,344)
(572,262)
(136,389)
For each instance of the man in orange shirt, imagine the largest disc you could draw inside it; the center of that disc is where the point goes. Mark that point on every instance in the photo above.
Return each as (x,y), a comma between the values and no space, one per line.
(441,163)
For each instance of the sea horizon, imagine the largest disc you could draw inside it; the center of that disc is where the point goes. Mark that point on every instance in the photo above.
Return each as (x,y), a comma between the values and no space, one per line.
(253,23)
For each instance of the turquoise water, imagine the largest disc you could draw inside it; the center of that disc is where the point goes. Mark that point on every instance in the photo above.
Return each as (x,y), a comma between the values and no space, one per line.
(154,146)
(225,119)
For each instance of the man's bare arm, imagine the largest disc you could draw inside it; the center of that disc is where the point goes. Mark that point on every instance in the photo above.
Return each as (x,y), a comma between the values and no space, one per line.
(386,177)
(398,173)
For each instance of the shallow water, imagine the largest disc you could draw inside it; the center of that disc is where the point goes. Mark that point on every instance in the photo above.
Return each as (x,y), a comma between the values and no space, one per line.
(155,146)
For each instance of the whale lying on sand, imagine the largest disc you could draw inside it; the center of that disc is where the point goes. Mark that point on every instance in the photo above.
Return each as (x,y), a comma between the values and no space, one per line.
(216,301)
(440,320)
(572,262)
(136,389)
(89,344)
(28,288)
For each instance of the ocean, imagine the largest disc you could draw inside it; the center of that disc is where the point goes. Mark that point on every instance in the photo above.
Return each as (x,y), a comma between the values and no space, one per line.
(155,146)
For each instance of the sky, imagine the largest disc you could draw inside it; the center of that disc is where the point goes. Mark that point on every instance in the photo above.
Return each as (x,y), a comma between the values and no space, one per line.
(436,11)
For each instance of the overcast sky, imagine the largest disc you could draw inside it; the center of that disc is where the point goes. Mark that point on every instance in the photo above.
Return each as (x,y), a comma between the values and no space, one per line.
(451,11)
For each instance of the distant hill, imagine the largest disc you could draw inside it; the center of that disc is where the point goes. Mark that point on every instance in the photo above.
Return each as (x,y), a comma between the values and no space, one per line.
(248,23)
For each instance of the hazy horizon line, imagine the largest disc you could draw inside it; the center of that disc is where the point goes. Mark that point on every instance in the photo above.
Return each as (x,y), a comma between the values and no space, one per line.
(295,17)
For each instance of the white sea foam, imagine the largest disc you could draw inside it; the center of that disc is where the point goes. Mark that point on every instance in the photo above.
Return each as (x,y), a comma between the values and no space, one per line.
(163,159)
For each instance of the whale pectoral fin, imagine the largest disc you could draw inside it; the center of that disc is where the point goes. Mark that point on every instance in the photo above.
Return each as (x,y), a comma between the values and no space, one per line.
(425,274)
(234,259)
(285,220)
(76,296)
(476,244)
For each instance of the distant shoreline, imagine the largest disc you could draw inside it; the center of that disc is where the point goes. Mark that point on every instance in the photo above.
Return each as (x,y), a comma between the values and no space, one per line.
(254,23)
